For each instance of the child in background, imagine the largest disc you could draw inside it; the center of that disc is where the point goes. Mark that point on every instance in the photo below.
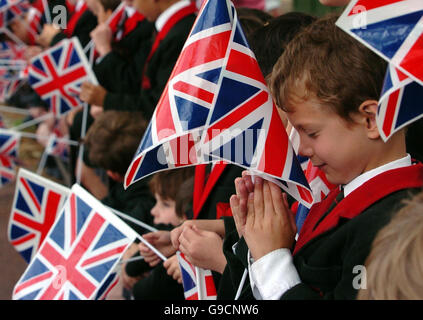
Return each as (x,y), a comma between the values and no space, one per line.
(173,192)
(394,269)
(267,43)
(173,20)
(329,86)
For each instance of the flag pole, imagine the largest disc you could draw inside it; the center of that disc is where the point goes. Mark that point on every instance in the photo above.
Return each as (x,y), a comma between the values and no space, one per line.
(241,284)
(131,259)
(157,252)
(129,218)
(32,122)
(47,11)
(81,147)
(43,160)
(83,127)
(10,109)
(200,292)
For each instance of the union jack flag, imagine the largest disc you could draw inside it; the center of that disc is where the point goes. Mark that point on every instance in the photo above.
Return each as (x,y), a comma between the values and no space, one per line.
(198,283)
(33,20)
(391,28)
(58,73)
(36,204)
(57,148)
(9,146)
(12,51)
(79,253)
(399,104)
(217,90)
(320,187)
(8,88)
(4,4)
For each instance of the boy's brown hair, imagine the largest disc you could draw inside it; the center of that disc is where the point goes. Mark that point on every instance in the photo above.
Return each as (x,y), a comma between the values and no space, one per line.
(110,4)
(113,138)
(324,62)
(394,267)
(177,185)
(167,183)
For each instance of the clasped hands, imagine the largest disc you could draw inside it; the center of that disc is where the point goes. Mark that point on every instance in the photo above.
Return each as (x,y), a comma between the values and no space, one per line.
(262,215)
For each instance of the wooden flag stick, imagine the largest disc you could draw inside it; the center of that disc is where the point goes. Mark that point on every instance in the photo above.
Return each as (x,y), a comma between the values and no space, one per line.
(241,284)
(14,110)
(131,259)
(32,122)
(35,136)
(129,218)
(157,252)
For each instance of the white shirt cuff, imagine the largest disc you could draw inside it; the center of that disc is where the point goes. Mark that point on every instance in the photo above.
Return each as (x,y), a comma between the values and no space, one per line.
(272,275)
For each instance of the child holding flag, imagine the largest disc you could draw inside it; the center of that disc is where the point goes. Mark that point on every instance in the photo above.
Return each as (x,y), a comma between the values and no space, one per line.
(329,85)
(173,21)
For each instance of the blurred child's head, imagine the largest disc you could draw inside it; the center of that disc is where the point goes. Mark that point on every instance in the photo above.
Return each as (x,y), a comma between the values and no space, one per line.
(152,9)
(105,9)
(172,193)
(113,139)
(394,267)
(329,85)
(252,19)
(270,40)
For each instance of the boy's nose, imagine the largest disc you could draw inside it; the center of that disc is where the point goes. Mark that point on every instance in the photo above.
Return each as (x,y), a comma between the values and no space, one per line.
(305,150)
(153,210)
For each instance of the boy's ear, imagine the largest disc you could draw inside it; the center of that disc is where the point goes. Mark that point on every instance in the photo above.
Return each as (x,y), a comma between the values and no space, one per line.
(116,176)
(368,110)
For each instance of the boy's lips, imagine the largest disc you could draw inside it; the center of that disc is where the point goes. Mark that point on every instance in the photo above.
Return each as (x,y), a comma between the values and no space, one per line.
(320,166)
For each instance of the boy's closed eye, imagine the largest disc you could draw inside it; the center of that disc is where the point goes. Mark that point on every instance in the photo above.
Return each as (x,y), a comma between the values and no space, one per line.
(166,204)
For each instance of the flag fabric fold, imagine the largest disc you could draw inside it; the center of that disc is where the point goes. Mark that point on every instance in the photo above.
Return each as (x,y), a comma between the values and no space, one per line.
(319,185)
(9,147)
(79,253)
(58,73)
(217,93)
(394,30)
(391,28)
(37,202)
(198,283)
(399,103)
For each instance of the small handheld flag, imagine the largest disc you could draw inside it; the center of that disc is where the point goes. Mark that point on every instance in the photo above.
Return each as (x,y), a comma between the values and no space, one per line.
(79,253)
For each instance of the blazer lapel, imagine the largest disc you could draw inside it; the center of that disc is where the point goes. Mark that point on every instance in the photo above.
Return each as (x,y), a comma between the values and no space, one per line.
(361,199)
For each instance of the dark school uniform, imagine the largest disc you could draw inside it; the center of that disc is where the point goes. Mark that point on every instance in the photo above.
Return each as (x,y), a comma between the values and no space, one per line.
(80,24)
(158,66)
(335,240)
(121,69)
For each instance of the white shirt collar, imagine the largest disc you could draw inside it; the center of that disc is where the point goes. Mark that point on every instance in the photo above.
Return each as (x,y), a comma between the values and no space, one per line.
(169,12)
(358,181)
(79,5)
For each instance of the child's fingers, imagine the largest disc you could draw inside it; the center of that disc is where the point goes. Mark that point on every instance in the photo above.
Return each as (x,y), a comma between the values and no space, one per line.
(277,199)
(241,189)
(188,234)
(258,199)
(251,218)
(242,194)
(290,214)
(246,177)
(269,209)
